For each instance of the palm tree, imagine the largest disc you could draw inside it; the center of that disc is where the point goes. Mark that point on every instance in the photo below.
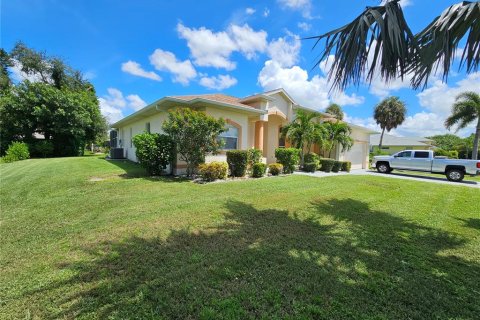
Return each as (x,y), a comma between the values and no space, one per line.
(337,133)
(303,131)
(380,42)
(466,110)
(335,110)
(389,114)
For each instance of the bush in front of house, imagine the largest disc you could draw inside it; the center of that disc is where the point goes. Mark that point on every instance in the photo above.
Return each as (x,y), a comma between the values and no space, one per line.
(237,162)
(16,151)
(213,170)
(346,166)
(312,157)
(258,169)
(275,169)
(310,166)
(337,166)
(288,157)
(43,148)
(326,164)
(253,156)
(154,151)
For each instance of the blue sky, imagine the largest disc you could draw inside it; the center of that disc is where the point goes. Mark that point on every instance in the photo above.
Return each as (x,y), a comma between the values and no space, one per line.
(136,52)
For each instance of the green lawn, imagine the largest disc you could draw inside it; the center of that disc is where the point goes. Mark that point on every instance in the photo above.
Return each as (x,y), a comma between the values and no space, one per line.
(298,247)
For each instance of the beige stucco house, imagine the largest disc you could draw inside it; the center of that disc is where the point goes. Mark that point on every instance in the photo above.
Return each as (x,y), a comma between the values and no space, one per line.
(253,122)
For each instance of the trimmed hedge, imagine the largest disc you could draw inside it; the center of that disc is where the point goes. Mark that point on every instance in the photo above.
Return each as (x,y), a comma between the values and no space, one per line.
(311,158)
(337,166)
(16,151)
(154,151)
(346,166)
(310,167)
(288,157)
(237,162)
(275,169)
(253,156)
(258,169)
(213,170)
(327,164)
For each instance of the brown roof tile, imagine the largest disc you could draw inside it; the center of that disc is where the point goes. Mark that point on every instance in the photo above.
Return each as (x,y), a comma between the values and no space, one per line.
(217,97)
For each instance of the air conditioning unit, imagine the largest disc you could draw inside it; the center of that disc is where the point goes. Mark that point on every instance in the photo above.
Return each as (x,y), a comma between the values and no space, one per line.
(116,153)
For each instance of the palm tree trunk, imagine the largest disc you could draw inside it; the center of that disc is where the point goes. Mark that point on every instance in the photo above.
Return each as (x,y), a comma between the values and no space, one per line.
(381,140)
(475,141)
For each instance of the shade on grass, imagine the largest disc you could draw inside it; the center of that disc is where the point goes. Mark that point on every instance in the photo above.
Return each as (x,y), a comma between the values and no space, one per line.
(126,246)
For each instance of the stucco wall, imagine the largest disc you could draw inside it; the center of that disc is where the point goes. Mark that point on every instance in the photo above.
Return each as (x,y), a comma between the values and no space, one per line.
(395,149)
(358,155)
(237,117)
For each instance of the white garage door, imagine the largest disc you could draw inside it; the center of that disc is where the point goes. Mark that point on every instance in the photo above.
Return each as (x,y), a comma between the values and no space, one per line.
(356,155)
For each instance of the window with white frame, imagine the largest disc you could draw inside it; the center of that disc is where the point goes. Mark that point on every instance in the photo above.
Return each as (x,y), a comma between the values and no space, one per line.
(230,138)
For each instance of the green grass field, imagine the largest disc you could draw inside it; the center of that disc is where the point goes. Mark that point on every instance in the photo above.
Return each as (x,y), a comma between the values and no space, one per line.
(90,239)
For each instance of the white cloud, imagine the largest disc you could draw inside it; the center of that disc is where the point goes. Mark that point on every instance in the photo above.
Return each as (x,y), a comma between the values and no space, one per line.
(304,26)
(213,49)
(218,82)
(135,69)
(113,103)
(313,93)
(266,12)
(183,71)
(380,88)
(403,3)
(19,75)
(304,6)
(285,50)
(250,11)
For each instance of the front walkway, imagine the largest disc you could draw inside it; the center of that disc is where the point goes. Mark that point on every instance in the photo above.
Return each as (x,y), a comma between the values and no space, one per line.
(394,175)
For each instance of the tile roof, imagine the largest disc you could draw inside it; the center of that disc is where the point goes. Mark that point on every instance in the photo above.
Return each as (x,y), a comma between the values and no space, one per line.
(216,97)
(389,140)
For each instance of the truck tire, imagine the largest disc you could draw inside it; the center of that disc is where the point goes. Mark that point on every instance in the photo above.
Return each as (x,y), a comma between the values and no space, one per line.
(383,167)
(455,175)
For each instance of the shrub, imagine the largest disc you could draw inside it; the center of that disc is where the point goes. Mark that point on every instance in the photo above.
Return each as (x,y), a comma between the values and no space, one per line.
(288,157)
(312,158)
(213,170)
(337,165)
(43,148)
(453,154)
(16,151)
(310,166)
(326,164)
(237,162)
(253,156)
(275,168)
(154,151)
(258,169)
(346,166)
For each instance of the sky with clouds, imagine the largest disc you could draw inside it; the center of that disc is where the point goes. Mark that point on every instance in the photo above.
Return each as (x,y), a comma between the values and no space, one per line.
(137,51)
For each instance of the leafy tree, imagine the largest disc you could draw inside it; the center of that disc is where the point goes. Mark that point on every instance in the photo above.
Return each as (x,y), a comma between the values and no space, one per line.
(447,141)
(5,63)
(337,133)
(380,42)
(304,131)
(335,110)
(466,110)
(389,114)
(195,134)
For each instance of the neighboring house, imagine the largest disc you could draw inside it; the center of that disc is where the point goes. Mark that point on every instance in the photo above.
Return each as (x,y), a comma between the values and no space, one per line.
(393,144)
(253,122)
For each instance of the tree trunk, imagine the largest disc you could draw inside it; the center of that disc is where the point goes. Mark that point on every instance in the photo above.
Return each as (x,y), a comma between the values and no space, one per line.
(475,141)
(381,140)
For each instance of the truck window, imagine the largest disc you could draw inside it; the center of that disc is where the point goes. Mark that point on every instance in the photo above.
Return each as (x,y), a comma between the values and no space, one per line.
(405,154)
(422,154)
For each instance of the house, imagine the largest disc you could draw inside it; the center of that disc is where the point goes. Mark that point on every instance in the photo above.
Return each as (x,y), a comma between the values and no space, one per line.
(393,144)
(253,122)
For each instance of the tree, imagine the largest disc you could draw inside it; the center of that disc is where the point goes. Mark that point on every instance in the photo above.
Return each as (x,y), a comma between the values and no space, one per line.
(465,111)
(389,114)
(447,141)
(195,134)
(379,42)
(304,131)
(5,63)
(335,110)
(337,133)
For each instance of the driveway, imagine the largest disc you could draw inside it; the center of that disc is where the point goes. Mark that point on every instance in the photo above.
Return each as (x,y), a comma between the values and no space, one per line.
(395,175)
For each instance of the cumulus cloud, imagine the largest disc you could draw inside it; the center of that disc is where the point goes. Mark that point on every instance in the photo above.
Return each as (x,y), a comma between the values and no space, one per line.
(304,26)
(403,3)
(304,6)
(182,71)
(135,69)
(250,11)
(19,75)
(114,103)
(313,93)
(285,50)
(219,82)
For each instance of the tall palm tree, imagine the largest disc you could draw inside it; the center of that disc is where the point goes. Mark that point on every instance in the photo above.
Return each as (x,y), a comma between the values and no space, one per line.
(466,110)
(335,110)
(337,133)
(303,131)
(389,114)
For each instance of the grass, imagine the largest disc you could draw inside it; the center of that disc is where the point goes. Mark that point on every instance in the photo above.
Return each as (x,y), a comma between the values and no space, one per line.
(90,239)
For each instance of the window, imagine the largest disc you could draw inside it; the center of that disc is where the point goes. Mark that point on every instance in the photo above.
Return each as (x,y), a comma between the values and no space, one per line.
(422,154)
(281,140)
(147,127)
(230,138)
(131,138)
(404,154)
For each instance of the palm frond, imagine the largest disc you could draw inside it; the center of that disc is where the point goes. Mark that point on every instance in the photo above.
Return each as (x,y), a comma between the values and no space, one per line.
(439,41)
(379,34)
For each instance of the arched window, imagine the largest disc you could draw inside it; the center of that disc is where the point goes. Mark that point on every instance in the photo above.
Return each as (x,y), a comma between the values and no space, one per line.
(230,138)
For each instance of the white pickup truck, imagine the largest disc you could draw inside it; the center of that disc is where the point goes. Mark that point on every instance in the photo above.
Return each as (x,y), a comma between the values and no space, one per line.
(425,160)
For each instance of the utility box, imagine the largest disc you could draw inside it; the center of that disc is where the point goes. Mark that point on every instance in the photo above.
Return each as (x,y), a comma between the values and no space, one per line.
(116,153)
